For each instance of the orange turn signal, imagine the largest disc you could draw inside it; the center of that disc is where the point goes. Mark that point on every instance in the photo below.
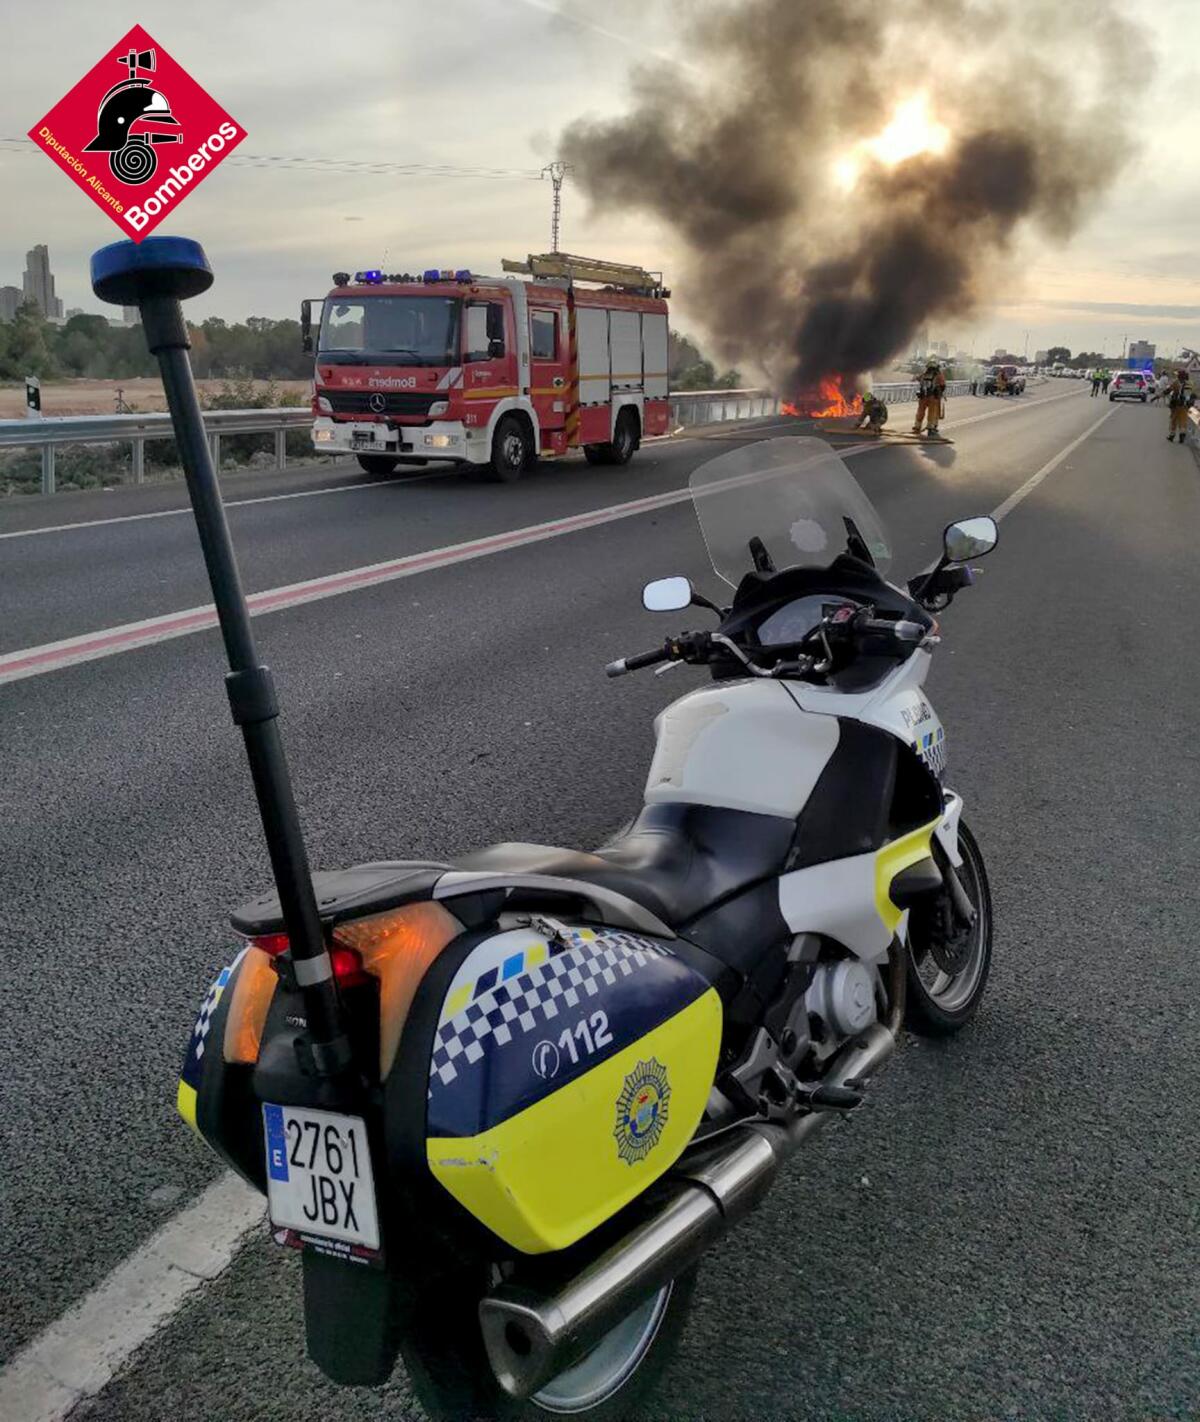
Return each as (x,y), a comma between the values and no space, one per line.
(397,947)
(248,1008)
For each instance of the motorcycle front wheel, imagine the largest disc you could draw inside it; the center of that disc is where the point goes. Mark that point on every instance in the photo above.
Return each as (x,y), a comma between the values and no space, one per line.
(949,963)
(448,1364)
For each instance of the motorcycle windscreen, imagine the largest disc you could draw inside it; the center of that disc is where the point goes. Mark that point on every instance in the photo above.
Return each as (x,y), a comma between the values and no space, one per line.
(796,497)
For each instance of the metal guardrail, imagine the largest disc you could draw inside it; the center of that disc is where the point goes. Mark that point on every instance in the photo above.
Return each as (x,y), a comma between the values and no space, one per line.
(712,407)
(137,429)
(688,407)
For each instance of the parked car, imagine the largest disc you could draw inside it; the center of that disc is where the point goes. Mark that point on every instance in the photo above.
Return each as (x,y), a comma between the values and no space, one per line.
(1131,385)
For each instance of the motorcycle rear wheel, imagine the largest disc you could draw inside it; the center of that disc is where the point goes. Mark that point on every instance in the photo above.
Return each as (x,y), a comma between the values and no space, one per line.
(940,1002)
(446,1360)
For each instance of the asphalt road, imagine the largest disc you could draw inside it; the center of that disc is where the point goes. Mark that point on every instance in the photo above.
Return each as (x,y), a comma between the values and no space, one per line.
(1010,1231)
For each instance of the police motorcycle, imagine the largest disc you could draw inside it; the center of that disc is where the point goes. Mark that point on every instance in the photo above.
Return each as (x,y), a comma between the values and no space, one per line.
(502,1107)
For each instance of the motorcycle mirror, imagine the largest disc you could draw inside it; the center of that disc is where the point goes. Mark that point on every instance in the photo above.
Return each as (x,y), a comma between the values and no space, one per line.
(667,595)
(969,538)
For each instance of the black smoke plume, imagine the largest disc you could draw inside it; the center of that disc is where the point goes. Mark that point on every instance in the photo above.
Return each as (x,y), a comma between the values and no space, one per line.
(735,154)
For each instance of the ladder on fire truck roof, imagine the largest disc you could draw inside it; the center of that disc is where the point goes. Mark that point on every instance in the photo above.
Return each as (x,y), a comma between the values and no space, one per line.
(562,266)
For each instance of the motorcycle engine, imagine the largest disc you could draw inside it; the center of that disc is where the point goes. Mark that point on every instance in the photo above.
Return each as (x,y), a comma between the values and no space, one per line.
(840,1002)
(842,995)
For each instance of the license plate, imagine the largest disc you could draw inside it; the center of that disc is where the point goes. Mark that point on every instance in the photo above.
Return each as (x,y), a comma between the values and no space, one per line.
(362,439)
(319,1178)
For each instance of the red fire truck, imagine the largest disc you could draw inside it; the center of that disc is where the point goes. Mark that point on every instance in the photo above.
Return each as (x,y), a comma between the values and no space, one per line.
(496,371)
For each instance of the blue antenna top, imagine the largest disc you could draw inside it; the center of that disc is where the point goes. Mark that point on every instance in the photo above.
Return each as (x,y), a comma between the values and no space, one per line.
(126,272)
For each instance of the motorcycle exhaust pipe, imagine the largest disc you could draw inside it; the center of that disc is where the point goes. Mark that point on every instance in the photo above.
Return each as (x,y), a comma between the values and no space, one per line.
(534,1333)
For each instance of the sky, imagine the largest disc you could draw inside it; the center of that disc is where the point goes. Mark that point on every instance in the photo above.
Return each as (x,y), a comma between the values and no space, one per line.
(492,83)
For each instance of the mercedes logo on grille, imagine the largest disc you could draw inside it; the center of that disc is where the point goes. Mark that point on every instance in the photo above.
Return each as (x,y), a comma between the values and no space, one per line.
(377,403)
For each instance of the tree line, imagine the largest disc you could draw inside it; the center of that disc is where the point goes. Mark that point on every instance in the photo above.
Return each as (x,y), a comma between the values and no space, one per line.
(260,348)
(88,346)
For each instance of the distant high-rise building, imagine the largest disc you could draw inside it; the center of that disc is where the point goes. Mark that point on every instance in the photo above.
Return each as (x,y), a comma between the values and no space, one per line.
(1141,350)
(11,300)
(941,348)
(921,342)
(39,283)
(130,315)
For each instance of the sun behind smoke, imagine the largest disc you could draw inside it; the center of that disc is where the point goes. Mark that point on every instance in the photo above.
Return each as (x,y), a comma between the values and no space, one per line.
(912,130)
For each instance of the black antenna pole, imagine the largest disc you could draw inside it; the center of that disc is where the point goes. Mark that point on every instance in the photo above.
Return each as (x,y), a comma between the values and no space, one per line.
(156,275)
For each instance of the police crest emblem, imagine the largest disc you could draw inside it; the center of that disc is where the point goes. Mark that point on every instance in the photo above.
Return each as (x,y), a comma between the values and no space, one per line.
(642,1109)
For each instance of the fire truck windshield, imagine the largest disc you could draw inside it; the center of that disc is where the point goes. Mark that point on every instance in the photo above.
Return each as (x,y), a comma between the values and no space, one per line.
(390,330)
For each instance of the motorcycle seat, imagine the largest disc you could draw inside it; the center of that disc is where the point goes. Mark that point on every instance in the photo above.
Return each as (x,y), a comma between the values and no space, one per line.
(346,893)
(675,860)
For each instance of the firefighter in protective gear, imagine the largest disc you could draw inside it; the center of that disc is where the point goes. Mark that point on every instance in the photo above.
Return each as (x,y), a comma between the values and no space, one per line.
(1180,396)
(874,414)
(931,390)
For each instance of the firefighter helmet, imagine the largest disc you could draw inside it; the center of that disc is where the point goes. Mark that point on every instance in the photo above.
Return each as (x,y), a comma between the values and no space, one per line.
(130,102)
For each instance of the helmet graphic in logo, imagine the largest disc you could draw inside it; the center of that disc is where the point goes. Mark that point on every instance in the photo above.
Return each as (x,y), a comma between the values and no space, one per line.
(377,403)
(131,155)
(642,1111)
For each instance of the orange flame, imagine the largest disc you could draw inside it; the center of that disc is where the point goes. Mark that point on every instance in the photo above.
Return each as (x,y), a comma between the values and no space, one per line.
(825,400)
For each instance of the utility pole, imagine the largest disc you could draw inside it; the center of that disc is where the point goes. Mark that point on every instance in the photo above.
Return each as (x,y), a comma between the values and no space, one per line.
(556,172)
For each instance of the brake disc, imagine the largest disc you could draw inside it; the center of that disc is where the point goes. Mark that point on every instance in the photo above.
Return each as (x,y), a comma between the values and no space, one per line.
(950,948)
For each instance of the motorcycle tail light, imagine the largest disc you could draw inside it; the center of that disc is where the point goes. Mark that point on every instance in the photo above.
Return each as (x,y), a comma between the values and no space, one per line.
(272,944)
(348,968)
(346,962)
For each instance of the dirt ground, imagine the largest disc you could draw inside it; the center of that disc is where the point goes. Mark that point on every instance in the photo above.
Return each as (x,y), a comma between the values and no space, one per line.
(98,397)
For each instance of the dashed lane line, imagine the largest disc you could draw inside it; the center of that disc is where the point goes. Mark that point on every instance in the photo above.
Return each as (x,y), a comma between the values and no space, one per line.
(80,1353)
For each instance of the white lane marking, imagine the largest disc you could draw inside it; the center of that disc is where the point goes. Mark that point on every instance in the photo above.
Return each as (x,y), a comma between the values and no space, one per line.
(1034,480)
(1049,467)
(425,478)
(79,1353)
(229,504)
(33,661)
(107,642)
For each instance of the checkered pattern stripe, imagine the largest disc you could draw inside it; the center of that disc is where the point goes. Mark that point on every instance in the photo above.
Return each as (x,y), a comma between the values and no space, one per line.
(932,750)
(199,1039)
(204,1021)
(514,1008)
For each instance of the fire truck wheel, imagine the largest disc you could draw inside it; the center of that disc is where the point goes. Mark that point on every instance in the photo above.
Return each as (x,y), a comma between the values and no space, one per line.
(624,444)
(512,451)
(377,463)
(625,438)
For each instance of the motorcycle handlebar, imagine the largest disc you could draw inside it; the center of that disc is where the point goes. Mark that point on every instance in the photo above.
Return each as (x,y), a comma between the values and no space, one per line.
(902,630)
(637,661)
